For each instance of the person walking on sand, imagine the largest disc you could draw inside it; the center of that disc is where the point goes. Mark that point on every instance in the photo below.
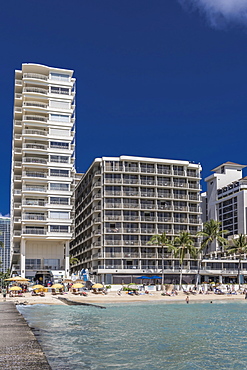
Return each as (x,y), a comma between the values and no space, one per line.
(187,299)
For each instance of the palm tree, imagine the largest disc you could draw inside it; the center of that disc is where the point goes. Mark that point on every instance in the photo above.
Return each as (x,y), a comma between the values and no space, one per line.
(211,232)
(239,247)
(182,245)
(162,241)
(73,260)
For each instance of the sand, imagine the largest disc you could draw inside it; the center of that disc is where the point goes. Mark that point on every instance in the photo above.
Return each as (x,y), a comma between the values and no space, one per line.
(113,297)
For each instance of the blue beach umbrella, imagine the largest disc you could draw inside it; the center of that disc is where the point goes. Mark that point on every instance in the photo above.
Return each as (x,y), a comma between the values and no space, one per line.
(155,277)
(143,277)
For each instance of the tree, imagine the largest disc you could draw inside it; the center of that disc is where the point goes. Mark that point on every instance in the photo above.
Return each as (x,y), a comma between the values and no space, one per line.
(238,247)
(182,245)
(162,241)
(211,232)
(73,260)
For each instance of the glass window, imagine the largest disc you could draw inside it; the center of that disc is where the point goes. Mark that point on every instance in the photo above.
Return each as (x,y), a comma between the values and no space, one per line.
(59,76)
(59,215)
(59,229)
(60,173)
(59,145)
(60,187)
(58,200)
(60,117)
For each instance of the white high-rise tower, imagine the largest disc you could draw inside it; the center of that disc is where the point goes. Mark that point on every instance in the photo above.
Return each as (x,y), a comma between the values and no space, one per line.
(43,155)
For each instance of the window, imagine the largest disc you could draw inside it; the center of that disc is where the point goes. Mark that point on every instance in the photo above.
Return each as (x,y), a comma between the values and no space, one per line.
(60,187)
(59,90)
(59,229)
(59,104)
(60,117)
(57,132)
(58,200)
(60,173)
(52,264)
(59,145)
(59,76)
(59,215)
(59,159)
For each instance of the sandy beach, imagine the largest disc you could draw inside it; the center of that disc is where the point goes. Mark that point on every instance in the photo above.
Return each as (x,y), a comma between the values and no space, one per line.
(112,297)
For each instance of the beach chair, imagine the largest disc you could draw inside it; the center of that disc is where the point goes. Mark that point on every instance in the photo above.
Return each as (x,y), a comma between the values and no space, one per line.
(53,291)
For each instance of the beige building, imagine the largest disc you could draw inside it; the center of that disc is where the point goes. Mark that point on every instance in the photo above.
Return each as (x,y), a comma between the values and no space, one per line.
(120,203)
(43,155)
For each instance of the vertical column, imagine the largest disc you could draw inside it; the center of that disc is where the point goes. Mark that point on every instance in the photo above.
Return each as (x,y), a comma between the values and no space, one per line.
(66,259)
(23,257)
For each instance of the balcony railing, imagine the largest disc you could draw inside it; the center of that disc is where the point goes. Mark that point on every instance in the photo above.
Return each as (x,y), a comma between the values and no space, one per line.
(35,132)
(33,188)
(35,90)
(35,231)
(35,174)
(34,104)
(35,118)
(34,217)
(35,146)
(35,76)
(34,202)
(34,160)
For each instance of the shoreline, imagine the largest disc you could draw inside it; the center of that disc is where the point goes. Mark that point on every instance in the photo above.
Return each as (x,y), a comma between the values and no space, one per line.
(112,297)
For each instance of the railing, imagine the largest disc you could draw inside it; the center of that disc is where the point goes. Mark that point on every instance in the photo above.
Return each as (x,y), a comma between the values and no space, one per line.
(17,192)
(34,160)
(60,147)
(17,177)
(35,231)
(18,82)
(17,163)
(18,122)
(35,118)
(34,104)
(18,96)
(59,202)
(17,205)
(35,132)
(34,217)
(191,174)
(36,76)
(35,174)
(17,219)
(35,146)
(17,136)
(35,90)
(17,233)
(113,242)
(59,174)
(34,203)
(18,109)
(32,188)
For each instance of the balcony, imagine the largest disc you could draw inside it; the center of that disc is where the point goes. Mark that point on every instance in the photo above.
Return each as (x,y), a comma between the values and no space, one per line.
(17,177)
(35,118)
(34,160)
(35,146)
(17,192)
(33,188)
(35,76)
(34,104)
(34,231)
(35,174)
(17,205)
(35,132)
(33,202)
(36,90)
(34,217)
(17,137)
(18,123)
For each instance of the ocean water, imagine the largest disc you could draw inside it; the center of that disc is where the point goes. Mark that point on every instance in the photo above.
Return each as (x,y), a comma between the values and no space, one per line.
(142,336)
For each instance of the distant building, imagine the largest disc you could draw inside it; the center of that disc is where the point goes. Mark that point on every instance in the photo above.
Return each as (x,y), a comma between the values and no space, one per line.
(120,202)
(5,239)
(226,199)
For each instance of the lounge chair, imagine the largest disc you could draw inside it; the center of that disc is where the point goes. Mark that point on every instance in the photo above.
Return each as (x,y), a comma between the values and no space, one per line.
(53,291)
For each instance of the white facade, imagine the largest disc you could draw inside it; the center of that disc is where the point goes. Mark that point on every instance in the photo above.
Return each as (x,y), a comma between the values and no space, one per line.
(121,202)
(226,198)
(43,155)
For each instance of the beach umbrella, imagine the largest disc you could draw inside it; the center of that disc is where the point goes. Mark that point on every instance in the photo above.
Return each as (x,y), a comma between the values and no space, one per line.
(57,286)
(97,286)
(77,285)
(155,277)
(15,288)
(67,281)
(38,286)
(17,278)
(143,277)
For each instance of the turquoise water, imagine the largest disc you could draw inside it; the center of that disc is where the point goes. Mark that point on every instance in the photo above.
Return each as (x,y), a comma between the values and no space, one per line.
(142,336)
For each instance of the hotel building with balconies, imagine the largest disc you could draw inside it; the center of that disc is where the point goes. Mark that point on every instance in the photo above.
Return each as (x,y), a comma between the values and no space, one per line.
(43,172)
(120,202)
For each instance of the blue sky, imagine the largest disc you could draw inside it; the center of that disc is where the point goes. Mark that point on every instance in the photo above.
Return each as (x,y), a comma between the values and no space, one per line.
(154,78)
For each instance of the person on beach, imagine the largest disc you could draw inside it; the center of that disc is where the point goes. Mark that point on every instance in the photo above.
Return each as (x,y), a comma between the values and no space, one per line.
(187,299)
(4,292)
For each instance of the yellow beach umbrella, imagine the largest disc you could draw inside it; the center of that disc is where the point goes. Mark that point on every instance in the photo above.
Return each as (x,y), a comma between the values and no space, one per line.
(38,286)
(77,285)
(17,278)
(97,286)
(15,288)
(57,286)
